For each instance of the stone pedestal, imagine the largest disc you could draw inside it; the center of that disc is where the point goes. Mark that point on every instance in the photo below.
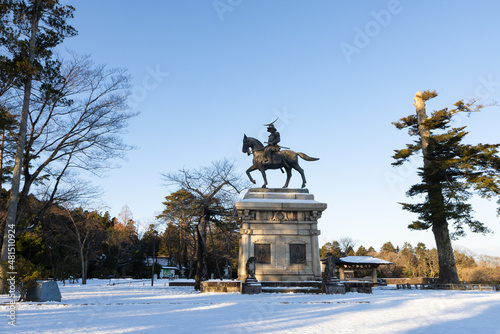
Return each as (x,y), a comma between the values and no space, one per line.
(333,287)
(251,287)
(280,228)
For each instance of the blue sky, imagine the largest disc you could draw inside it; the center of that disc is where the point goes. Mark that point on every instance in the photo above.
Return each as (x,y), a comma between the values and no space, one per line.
(336,73)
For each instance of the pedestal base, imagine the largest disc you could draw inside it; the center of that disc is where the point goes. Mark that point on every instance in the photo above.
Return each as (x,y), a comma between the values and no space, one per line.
(280,229)
(251,287)
(333,288)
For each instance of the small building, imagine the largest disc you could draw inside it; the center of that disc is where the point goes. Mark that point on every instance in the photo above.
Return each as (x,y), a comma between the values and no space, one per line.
(168,267)
(347,265)
(167,272)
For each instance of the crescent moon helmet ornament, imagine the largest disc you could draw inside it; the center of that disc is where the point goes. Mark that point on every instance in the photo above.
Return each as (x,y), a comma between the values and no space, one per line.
(272,123)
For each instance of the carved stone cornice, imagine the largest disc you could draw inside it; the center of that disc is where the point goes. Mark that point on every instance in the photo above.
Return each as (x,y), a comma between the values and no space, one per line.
(312,215)
(278,215)
(246,215)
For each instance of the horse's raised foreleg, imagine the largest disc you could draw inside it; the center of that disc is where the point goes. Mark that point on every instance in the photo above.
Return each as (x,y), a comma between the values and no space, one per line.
(263,171)
(251,169)
(288,176)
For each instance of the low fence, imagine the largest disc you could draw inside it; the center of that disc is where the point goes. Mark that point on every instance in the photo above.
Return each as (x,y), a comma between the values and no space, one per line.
(461,286)
(411,281)
(181,283)
(466,286)
(431,283)
(360,287)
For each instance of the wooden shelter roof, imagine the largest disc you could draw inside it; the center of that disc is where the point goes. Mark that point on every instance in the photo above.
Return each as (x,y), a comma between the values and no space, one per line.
(361,260)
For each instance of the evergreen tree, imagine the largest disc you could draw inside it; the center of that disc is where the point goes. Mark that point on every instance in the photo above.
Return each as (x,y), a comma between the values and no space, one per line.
(331,247)
(361,251)
(452,172)
(181,210)
(388,247)
(8,125)
(122,245)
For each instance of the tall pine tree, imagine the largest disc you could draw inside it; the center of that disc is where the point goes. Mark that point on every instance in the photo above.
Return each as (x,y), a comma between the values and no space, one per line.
(29,31)
(452,172)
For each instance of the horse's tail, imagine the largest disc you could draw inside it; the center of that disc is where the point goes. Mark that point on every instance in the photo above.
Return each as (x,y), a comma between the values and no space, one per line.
(306,157)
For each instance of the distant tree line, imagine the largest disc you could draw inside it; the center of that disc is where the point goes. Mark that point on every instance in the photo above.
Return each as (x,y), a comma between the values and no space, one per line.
(419,261)
(76,243)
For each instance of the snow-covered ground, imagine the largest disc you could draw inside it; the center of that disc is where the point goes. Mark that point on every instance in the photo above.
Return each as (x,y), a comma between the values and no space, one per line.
(137,308)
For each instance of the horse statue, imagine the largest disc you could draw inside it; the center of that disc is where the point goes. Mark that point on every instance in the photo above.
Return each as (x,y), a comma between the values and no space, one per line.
(286,159)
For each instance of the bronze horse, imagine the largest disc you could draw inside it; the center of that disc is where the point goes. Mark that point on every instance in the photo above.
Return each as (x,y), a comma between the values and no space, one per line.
(282,159)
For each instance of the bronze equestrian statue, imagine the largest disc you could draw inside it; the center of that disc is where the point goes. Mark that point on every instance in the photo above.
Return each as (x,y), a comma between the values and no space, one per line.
(270,157)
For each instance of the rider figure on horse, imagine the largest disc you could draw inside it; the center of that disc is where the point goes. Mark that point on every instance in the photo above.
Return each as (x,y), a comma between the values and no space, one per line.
(272,143)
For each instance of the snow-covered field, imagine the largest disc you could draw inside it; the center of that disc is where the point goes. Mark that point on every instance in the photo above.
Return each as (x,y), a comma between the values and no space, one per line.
(137,308)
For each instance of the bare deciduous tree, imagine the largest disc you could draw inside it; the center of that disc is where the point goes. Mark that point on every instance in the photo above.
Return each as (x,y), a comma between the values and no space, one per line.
(214,189)
(347,245)
(75,126)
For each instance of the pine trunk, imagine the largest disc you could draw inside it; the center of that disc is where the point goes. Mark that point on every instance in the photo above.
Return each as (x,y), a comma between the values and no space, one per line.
(446,258)
(447,267)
